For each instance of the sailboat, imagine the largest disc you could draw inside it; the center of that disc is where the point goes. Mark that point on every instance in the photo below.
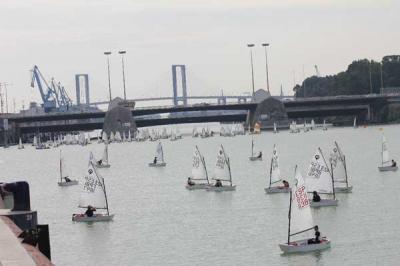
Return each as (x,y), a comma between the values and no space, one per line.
(275,175)
(199,172)
(20,145)
(159,158)
(104,163)
(112,137)
(386,162)
(320,179)
(35,142)
(222,173)
(339,170)
(312,124)
(275,128)
(254,157)
(324,127)
(301,221)
(355,122)
(118,137)
(104,137)
(129,136)
(305,127)
(64,178)
(94,195)
(173,136)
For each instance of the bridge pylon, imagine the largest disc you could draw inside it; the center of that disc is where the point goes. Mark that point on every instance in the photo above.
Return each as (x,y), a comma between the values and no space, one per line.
(177,98)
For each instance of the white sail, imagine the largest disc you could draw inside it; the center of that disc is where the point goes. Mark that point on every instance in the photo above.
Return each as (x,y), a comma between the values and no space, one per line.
(93,192)
(385,153)
(337,161)
(35,142)
(104,136)
(355,122)
(199,171)
(20,145)
(105,155)
(129,136)
(160,153)
(222,169)
(312,124)
(63,168)
(324,125)
(112,136)
(275,171)
(275,130)
(118,136)
(318,176)
(300,217)
(178,133)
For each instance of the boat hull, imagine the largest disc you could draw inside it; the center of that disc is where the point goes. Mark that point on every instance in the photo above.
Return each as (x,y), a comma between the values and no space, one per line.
(323,203)
(67,184)
(302,246)
(387,168)
(197,186)
(343,189)
(103,165)
(220,189)
(94,218)
(254,158)
(273,190)
(157,164)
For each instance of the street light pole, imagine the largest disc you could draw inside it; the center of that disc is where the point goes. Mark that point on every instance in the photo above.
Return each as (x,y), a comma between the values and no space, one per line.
(122,53)
(266,64)
(252,68)
(370,78)
(108,67)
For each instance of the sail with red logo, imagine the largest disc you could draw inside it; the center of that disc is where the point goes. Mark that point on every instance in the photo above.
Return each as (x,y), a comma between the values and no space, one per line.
(301,222)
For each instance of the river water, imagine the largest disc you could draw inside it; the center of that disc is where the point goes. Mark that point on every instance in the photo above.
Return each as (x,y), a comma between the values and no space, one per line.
(158,222)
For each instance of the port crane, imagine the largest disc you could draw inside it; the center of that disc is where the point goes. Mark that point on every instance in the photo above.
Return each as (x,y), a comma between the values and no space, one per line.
(53,94)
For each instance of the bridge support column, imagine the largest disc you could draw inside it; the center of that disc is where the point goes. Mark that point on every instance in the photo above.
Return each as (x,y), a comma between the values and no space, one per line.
(78,88)
(182,69)
(221,100)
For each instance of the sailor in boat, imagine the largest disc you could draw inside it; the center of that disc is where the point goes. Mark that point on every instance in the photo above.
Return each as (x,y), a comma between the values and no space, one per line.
(259,154)
(89,211)
(394,164)
(67,179)
(155,160)
(315,240)
(190,182)
(218,183)
(285,184)
(316,198)
(100,162)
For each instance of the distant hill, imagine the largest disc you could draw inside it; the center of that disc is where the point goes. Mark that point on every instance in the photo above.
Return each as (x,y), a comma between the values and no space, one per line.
(355,80)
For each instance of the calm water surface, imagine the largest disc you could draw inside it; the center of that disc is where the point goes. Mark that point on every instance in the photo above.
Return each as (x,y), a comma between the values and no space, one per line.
(158,222)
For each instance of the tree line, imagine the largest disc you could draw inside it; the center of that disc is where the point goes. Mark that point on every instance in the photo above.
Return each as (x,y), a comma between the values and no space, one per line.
(361,77)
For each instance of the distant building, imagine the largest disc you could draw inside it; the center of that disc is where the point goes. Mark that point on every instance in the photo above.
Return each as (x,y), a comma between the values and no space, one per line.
(391,90)
(260,95)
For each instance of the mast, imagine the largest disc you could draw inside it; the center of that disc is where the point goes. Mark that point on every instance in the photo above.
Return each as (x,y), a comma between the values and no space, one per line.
(270,172)
(382,150)
(289,215)
(333,184)
(345,170)
(228,164)
(252,147)
(60,167)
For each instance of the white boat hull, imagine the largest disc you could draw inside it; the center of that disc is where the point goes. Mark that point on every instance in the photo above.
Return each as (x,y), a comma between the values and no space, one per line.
(94,218)
(220,189)
(157,164)
(301,246)
(343,189)
(323,203)
(67,184)
(197,186)
(103,165)
(255,158)
(272,190)
(387,168)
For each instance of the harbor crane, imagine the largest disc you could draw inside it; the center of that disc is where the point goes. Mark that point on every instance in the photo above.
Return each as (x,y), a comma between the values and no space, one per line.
(53,95)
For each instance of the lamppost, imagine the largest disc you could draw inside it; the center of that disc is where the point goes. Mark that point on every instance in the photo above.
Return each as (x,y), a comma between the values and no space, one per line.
(266,63)
(122,53)
(108,67)
(252,68)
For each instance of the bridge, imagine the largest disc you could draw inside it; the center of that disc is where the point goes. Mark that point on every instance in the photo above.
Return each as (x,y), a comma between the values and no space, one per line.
(364,106)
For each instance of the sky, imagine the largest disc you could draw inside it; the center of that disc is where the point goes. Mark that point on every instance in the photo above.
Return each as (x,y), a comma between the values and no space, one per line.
(67,37)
